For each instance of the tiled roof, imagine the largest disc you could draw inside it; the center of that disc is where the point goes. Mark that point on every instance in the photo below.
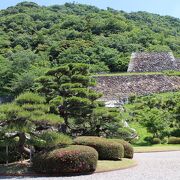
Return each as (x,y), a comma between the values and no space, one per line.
(152,62)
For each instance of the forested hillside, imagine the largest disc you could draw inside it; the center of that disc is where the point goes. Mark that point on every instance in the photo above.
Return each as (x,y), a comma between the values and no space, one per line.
(34,38)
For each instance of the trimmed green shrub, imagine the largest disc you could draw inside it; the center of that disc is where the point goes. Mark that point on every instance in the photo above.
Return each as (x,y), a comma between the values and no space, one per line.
(164,140)
(54,138)
(148,139)
(128,148)
(106,149)
(68,160)
(50,139)
(175,133)
(156,141)
(174,140)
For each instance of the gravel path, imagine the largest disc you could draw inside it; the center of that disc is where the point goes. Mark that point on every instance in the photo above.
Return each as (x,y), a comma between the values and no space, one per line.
(151,166)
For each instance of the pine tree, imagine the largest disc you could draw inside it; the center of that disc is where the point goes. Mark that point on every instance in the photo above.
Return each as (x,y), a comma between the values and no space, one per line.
(68,89)
(24,117)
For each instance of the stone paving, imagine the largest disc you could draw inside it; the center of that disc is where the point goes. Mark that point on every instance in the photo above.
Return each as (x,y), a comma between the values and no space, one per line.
(151,166)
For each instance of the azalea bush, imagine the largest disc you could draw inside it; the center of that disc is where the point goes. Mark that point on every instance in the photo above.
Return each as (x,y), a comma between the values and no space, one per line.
(68,160)
(174,140)
(107,150)
(128,148)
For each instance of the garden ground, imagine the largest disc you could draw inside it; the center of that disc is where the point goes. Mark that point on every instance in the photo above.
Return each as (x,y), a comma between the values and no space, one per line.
(102,166)
(160,165)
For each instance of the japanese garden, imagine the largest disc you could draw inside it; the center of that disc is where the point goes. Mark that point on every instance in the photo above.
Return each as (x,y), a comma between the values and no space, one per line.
(83,90)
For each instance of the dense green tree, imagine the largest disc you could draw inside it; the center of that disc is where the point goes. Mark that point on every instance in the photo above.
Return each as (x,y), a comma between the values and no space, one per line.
(25,118)
(158,113)
(67,89)
(19,70)
(5,74)
(156,121)
(75,33)
(158,48)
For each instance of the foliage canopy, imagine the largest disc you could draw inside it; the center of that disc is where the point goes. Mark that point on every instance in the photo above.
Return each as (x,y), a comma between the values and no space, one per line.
(34,38)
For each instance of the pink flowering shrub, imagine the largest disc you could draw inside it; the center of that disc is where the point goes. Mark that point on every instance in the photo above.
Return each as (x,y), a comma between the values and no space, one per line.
(69,160)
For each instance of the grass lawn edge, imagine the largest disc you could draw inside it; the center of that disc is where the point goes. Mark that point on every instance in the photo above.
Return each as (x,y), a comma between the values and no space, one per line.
(156,148)
(154,151)
(129,163)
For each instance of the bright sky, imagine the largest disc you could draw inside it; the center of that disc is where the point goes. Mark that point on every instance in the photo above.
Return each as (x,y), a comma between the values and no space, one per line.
(163,7)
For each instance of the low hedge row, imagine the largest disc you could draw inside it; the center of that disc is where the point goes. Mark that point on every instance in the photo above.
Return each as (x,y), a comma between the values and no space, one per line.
(67,160)
(128,148)
(174,140)
(107,150)
(156,141)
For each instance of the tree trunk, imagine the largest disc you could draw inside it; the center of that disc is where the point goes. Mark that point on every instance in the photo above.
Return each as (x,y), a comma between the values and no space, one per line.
(63,114)
(98,130)
(21,144)
(65,125)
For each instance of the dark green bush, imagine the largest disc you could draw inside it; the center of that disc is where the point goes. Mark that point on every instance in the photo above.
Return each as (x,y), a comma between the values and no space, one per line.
(49,140)
(174,140)
(175,133)
(156,141)
(148,139)
(67,160)
(128,148)
(106,149)
(13,154)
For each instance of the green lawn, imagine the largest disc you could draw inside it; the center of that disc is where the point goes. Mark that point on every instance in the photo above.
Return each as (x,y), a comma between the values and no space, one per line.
(142,133)
(104,165)
(128,74)
(168,73)
(156,148)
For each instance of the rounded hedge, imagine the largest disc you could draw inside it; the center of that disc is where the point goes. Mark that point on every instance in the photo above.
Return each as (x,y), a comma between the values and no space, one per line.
(128,148)
(106,149)
(164,140)
(156,141)
(174,140)
(68,160)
